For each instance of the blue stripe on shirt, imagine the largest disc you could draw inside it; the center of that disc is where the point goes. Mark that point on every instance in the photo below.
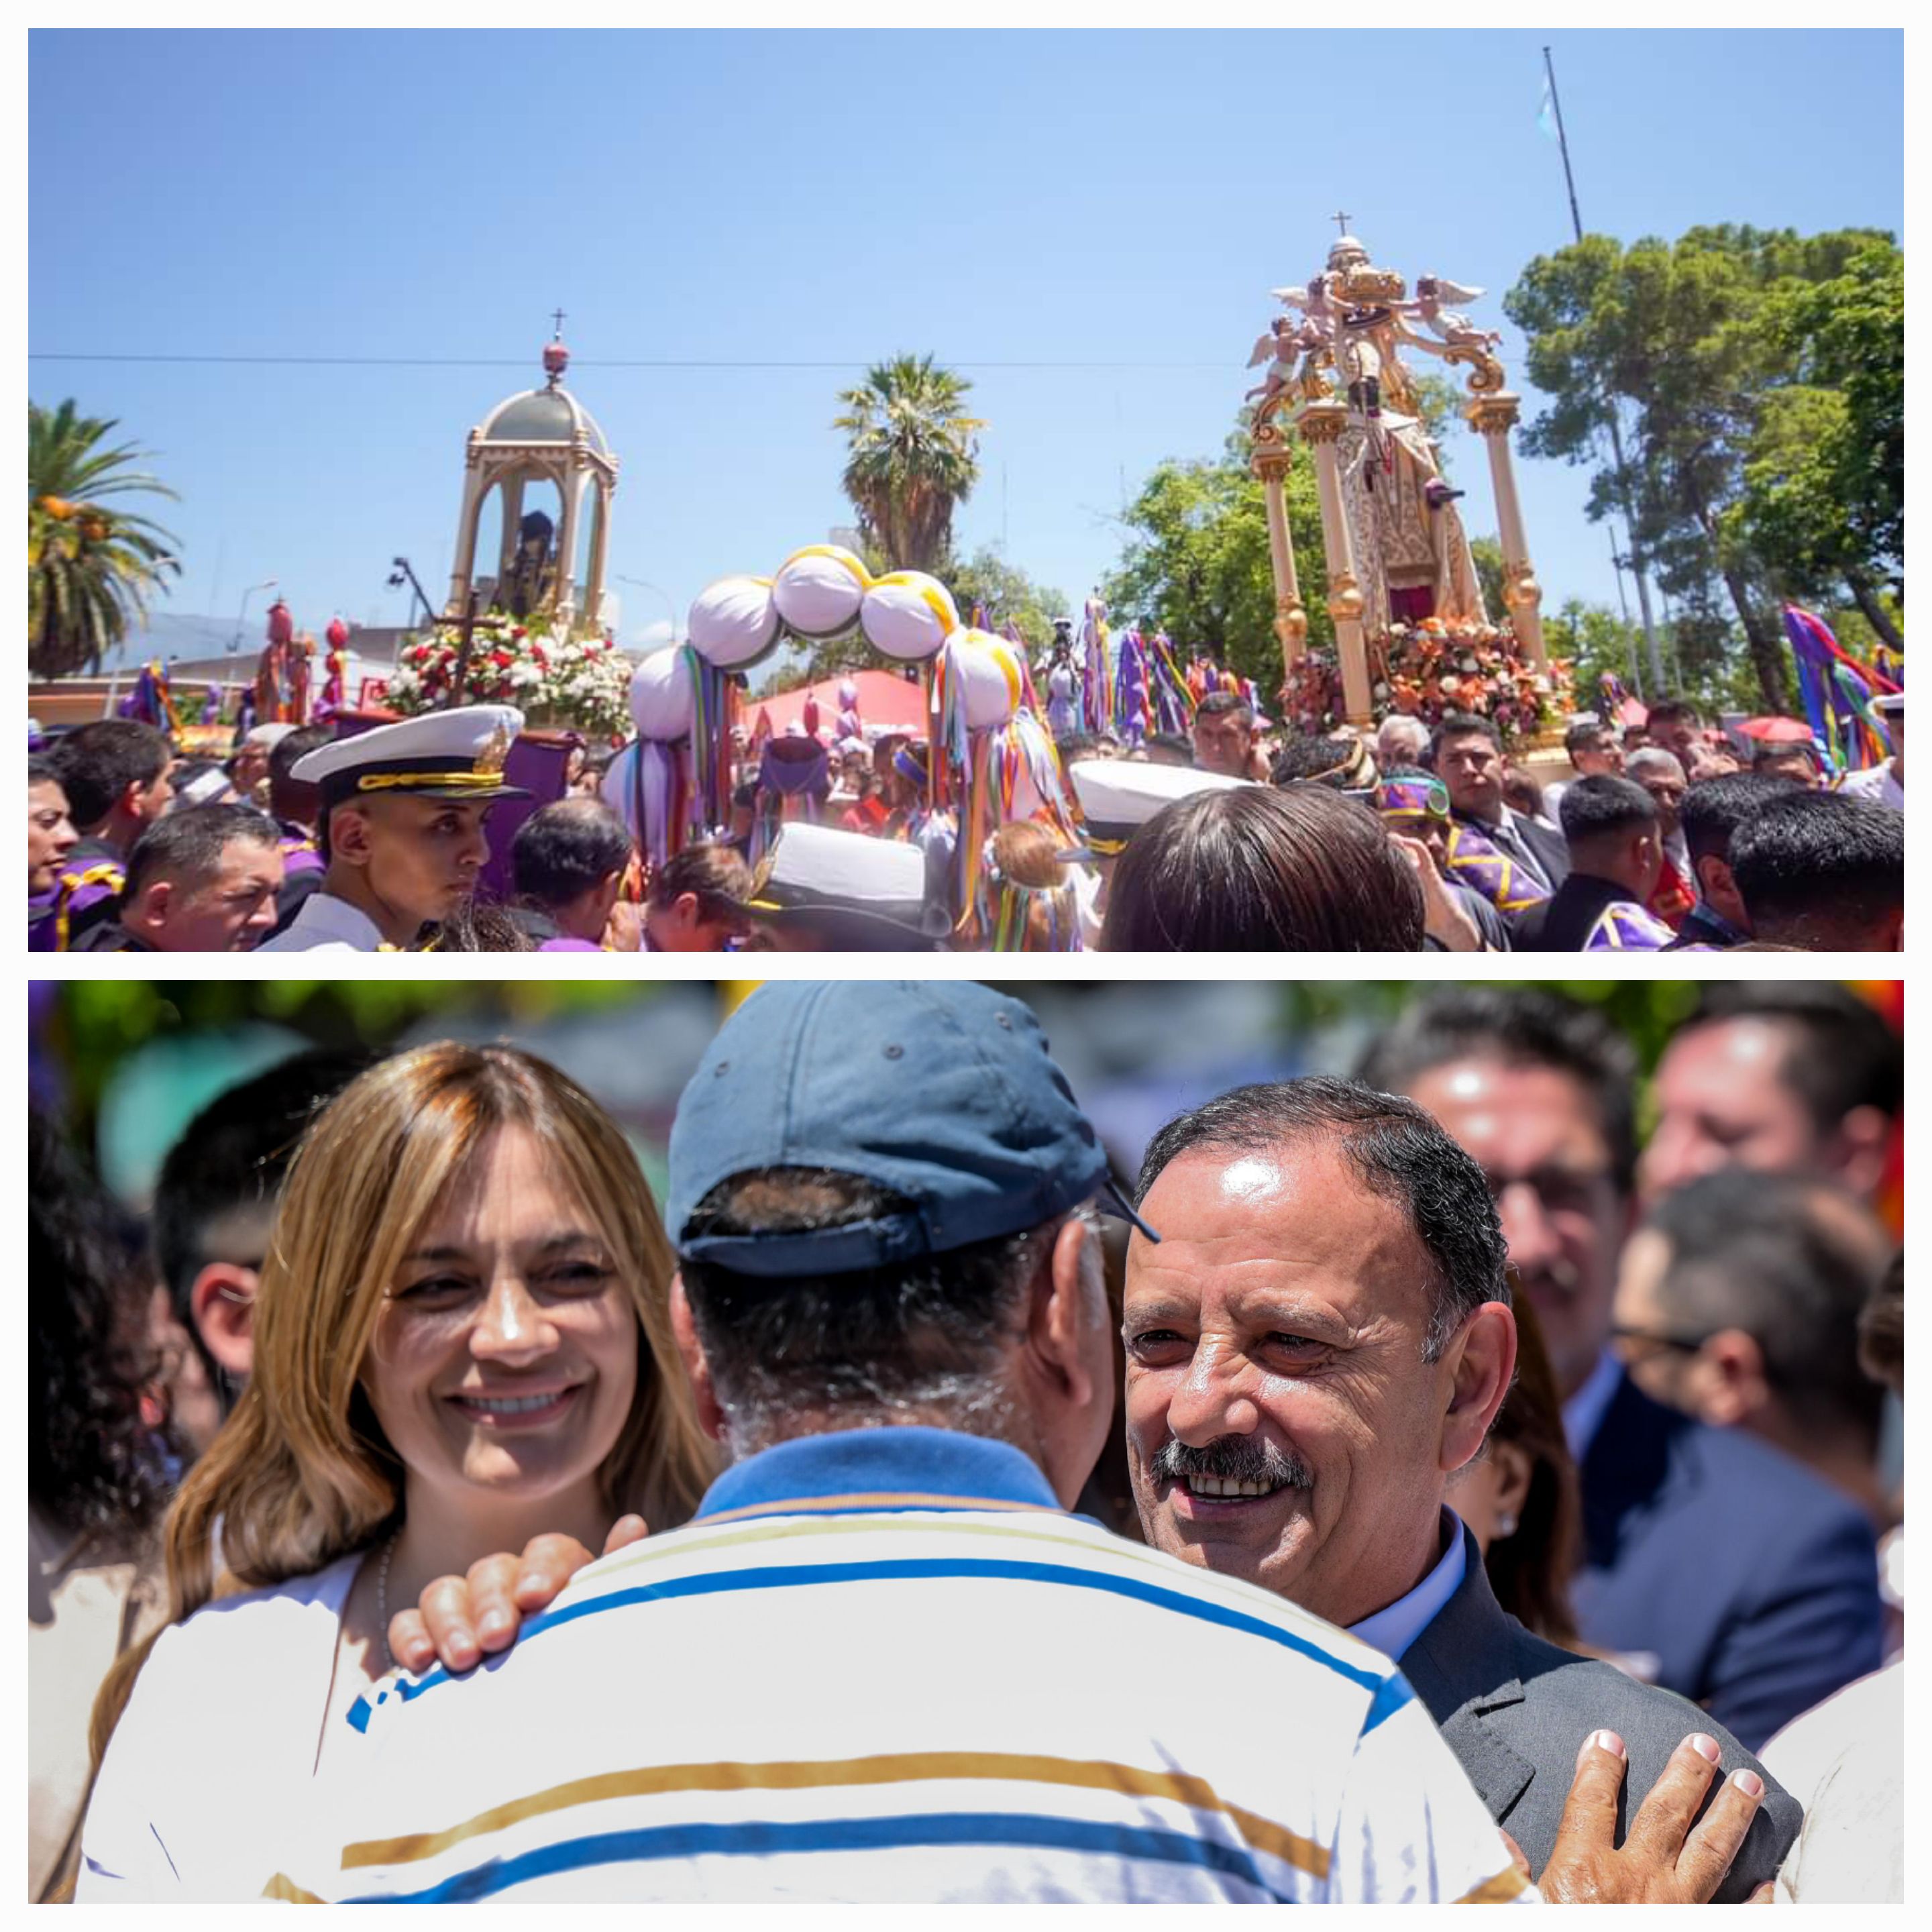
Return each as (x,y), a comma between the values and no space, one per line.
(764,1838)
(1390,1692)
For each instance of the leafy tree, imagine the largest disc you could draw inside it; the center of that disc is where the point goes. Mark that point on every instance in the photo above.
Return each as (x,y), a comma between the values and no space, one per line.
(1008,594)
(1196,562)
(90,568)
(1681,343)
(911,456)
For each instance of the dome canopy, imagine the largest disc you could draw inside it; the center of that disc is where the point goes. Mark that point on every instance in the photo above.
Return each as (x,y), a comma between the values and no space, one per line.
(542,416)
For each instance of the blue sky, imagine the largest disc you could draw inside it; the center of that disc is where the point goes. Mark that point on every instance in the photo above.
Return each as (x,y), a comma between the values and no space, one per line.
(736,199)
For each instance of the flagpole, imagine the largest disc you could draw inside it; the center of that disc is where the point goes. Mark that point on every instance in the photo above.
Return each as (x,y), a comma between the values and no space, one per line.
(1616,433)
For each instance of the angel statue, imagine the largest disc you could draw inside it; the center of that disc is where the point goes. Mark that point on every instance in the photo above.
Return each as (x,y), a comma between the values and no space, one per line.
(1451,325)
(1285,341)
(1312,301)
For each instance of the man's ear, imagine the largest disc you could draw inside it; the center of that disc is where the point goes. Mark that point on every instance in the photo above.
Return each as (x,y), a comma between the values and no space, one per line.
(1858,1146)
(149,911)
(1728,1380)
(221,1304)
(349,836)
(1481,1357)
(128,805)
(1069,1351)
(696,1369)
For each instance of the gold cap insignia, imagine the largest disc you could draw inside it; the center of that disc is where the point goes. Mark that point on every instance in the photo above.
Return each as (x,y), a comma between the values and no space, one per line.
(496,749)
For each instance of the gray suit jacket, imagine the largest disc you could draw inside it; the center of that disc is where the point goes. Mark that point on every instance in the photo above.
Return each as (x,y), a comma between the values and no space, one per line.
(1515,1710)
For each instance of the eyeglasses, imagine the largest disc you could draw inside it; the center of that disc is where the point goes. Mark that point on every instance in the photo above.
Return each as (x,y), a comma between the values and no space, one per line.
(1688,1345)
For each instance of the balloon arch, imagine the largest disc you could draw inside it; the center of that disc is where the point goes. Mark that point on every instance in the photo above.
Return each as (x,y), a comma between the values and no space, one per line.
(991,759)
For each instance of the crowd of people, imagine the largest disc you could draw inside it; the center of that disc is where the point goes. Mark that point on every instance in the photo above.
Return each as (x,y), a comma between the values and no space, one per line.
(1237,838)
(909,1510)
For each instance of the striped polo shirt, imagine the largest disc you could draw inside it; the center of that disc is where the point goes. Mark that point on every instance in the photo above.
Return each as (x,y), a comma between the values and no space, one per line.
(882,1665)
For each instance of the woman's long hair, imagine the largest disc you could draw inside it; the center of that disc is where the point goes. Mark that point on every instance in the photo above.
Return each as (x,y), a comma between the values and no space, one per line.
(302,1474)
(1530,1571)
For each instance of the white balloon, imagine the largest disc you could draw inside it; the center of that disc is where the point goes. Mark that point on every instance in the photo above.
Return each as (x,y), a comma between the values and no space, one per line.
(662,700)
(818,590)
(908,615)
(734,622)
(989,677)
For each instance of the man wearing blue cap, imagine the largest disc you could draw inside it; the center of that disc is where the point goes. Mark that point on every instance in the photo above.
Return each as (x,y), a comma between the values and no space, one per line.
(904,1672)
(400,828)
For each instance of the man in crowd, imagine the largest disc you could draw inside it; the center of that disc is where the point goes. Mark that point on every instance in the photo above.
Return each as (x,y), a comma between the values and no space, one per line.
(1823,873)
(401,826)
(1714,1564)
(1738,1303)
(214,1208)
(202,880)
(1401,740)
(1712,810)
(1662,775)
(1413,803)
(569,860)
(1790,1076)
(1793,761)
(296,808)
(1321,1338)
(1884,783)
(1343,763)
(1610,825)
(1514,861)
(117,774)
(50,837)
(695,901)
(1675,725)
(892,1310)
(1224,735)
(1595,749)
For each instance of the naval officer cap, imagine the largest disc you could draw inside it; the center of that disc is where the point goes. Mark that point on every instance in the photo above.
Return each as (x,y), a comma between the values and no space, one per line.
(1118,796)
(446,754)
(852,891)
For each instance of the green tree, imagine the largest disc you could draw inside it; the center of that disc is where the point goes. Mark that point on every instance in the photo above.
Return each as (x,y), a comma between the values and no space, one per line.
(911,456)
(1195,561)
(90,568)
(1007,594)
(1681,344)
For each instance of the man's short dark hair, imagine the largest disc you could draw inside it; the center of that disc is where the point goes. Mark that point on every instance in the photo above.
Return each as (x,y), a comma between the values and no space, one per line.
(916,1332)
(42,769)
(1821,867)
(712,872)
(1225,704)
(1517,1026)
(1461,724)
(1596,808)
(1076,744)
(187,844)
(1791,1261)
(1172,745)
(1302,758)
(1841,1054)
(98,762)
(1398,1151)
(1665,708)
(234,1154)
(563,850)
(1584,732)
(291,747)
(1714,808)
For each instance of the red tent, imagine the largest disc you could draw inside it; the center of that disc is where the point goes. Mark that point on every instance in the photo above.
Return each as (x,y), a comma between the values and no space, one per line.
(885,698)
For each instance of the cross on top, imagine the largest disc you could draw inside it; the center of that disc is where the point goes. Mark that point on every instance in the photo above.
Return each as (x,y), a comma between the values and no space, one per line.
(1341,222)
(557,315)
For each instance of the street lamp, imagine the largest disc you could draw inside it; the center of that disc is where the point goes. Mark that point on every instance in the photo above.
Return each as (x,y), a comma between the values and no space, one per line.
(671,605)
(400,574)
(241,615)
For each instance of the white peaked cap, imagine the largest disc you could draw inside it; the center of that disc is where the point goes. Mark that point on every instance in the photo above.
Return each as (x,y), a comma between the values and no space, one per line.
(1118,796)
(443,754)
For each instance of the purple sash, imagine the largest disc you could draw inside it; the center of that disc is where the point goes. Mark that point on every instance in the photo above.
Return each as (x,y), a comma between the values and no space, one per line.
(1479,863)
(1624,926)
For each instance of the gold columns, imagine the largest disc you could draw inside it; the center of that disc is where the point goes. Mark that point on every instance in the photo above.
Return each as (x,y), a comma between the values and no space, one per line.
(1270,463)
(1493,417)
(1321,423)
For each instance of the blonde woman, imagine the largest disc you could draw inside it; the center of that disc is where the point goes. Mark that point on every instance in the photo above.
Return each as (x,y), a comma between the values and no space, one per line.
(461,1341)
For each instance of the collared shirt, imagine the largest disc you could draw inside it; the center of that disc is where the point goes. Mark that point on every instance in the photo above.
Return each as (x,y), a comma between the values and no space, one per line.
(324,923)
(1583,1413)
(882,1665)
(1393,1630)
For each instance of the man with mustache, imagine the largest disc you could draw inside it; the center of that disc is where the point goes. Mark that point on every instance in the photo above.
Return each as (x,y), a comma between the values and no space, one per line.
(1713,1564)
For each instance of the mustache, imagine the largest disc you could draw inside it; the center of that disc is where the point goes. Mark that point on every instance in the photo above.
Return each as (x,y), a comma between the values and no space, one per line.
(1232,1459)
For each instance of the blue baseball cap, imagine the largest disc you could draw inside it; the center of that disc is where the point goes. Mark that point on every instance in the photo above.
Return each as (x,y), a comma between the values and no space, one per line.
(942,1091)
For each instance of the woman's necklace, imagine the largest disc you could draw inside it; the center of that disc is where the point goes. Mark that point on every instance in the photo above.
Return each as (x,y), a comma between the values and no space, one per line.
(382,1593)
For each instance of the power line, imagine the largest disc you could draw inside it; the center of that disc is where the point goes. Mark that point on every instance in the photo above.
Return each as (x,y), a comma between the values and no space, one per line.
(580,362)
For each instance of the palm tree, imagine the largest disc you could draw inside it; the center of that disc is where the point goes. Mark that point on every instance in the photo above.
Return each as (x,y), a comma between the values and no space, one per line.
(911,458)
(89,569)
